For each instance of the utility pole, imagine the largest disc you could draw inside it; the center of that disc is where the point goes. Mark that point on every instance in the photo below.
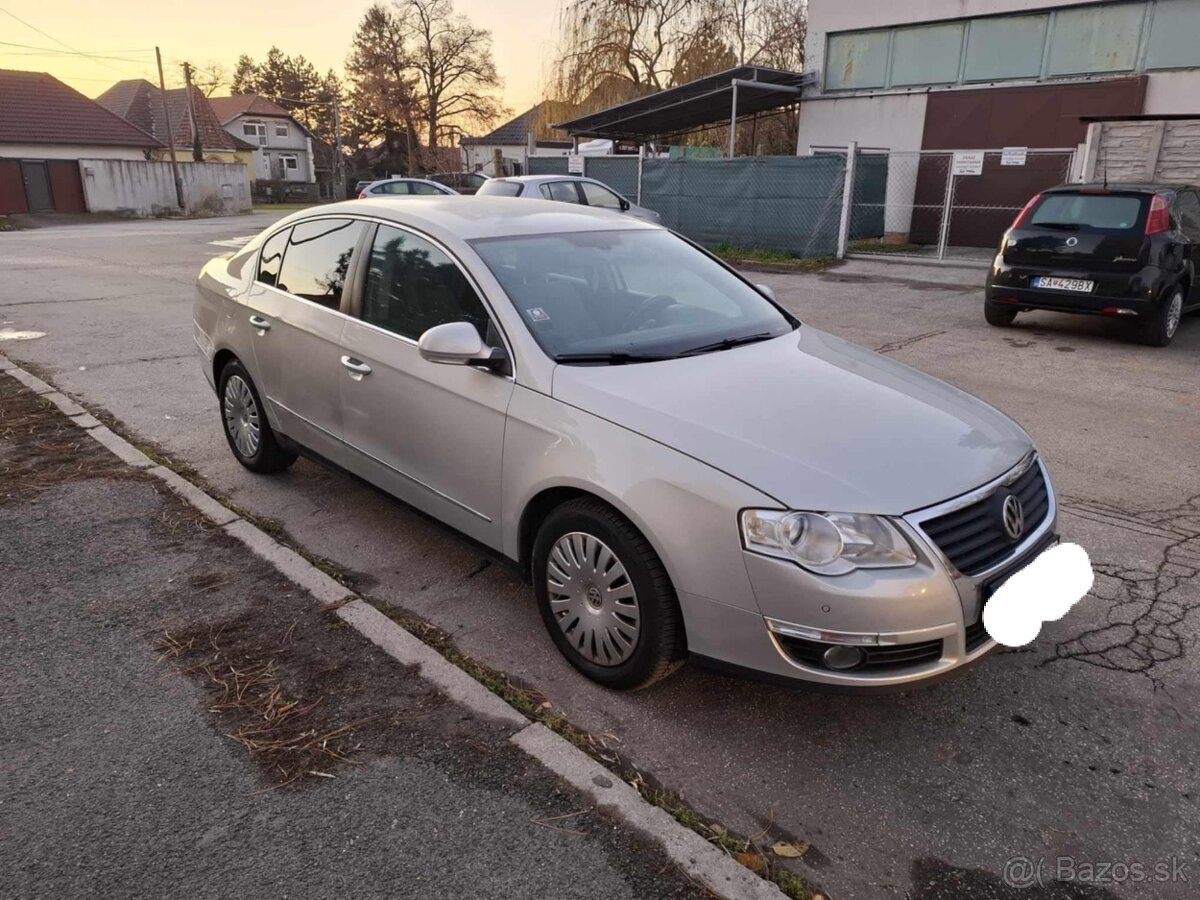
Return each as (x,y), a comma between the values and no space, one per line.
(339,175)
(162,86)
(197,150)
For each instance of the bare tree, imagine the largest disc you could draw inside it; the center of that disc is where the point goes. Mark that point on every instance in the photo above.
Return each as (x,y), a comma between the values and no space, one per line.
(452,62)
(210,77)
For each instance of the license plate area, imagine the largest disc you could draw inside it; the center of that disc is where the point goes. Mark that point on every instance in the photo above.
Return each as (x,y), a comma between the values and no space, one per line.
(1053,283)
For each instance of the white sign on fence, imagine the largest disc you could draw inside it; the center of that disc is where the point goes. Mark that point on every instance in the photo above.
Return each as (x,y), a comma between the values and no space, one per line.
(575,164)
(1013,156)
(967,162)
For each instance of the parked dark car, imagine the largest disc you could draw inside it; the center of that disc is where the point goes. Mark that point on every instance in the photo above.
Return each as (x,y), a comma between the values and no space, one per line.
(463,182)
(1125,250)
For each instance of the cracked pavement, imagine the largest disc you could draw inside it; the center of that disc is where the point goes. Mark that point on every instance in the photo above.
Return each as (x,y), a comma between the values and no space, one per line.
(1081,745)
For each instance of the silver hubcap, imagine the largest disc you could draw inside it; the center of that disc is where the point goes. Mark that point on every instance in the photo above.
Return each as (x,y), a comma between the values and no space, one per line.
(1174,314)
(593,599)
(241,416)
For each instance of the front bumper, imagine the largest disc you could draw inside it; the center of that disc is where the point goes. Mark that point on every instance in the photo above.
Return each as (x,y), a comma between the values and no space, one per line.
(908,627)
(1128,294)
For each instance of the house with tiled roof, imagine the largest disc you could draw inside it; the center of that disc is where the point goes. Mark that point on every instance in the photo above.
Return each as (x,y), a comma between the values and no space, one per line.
(283,155)
(526,135)
(46,127)
(140,103)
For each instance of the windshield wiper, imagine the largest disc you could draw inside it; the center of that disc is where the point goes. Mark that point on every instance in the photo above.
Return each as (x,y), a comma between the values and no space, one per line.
(615,359)
(729,343)
(1065,226)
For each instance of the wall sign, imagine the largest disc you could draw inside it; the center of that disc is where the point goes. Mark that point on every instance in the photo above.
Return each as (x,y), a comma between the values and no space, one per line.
(1013,156)
(575,164)
(967,162)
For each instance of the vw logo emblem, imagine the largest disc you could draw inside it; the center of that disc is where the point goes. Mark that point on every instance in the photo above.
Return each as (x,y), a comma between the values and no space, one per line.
(1014,516)
(1071,242)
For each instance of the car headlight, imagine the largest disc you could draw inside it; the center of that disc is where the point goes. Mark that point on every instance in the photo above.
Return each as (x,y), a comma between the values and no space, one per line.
(827,543)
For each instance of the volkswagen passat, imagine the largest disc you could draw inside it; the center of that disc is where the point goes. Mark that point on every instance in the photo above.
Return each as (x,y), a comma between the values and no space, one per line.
(678,464)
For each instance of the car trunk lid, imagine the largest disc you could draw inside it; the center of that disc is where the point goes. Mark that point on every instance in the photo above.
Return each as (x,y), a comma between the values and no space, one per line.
(1086,230)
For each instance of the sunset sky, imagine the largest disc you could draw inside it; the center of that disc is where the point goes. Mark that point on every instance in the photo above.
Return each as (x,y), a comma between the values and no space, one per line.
(219,30)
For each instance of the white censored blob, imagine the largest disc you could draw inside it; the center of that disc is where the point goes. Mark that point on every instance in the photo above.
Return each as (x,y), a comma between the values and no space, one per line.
(1041,592)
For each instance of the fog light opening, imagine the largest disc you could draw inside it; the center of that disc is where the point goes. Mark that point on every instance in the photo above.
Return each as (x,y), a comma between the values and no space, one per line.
(843,657)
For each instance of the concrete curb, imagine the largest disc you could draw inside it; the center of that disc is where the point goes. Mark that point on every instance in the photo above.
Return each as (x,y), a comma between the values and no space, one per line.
(702,861)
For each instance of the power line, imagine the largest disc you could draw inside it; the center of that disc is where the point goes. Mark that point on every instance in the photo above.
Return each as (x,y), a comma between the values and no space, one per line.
(47,51)
(75,50)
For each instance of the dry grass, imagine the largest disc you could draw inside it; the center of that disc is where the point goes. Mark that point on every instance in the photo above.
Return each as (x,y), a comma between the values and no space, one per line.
(276,693)
(40,448)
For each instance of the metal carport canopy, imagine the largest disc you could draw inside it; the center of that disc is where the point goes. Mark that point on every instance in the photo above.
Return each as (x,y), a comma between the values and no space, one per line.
(706,101)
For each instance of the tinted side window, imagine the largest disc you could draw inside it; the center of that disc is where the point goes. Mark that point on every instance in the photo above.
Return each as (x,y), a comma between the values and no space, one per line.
(271,257)
(600,197)
(317,259)
(564,191)
(412,286)
(418,188)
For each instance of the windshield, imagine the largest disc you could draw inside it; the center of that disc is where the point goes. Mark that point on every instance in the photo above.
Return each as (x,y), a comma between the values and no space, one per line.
(496,187)
(627,296)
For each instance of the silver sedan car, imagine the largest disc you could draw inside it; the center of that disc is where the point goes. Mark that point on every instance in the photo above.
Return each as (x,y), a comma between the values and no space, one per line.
(391,188)
(679,466)
(567,189)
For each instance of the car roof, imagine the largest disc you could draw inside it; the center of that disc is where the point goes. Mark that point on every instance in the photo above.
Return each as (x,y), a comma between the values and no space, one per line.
(473,217)
(404,178)
(534,179)
(1143,187)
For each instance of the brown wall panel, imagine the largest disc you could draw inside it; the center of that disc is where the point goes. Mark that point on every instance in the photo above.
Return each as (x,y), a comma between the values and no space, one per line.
(12,188)
(1038,116)
(66,185)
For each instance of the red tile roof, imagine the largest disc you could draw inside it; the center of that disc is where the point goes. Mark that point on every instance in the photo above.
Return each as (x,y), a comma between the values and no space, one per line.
(140,102)
(37,108)
(229,108)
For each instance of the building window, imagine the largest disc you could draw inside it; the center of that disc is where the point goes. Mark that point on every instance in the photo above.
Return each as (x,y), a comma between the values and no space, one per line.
(1093,39)
(255,130)
(289,161)
(281,130)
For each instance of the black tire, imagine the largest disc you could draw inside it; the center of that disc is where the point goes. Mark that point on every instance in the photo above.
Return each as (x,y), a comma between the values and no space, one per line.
(998,314)
(1161,325)
(264,456)
(659,646)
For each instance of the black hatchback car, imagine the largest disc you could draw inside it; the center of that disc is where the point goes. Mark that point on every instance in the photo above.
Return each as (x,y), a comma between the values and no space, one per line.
(1125,250)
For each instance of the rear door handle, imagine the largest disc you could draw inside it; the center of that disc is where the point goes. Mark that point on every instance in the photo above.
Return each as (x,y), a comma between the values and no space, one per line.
(356,367)
(260,323)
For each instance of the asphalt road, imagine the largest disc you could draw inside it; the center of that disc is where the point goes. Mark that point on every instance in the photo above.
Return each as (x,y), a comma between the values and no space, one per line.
(1080,746)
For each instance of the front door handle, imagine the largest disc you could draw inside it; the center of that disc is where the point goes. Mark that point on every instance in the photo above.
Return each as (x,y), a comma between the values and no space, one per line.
(356,367)
(260,323)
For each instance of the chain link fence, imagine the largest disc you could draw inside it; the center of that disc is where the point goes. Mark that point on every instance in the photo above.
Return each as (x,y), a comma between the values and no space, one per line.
(948,204)
(930,204)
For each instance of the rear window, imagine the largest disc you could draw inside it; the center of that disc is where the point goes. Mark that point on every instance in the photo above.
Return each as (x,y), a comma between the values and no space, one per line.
(498,188)
(1100,212)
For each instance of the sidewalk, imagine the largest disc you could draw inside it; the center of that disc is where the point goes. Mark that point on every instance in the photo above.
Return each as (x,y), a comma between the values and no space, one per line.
(181,720)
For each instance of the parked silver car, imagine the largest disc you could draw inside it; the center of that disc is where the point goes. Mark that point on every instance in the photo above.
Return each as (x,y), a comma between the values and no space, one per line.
(678,464)
(391,188)
(566,189)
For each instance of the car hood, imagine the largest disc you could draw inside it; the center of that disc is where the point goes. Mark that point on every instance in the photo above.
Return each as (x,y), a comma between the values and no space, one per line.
(813,421)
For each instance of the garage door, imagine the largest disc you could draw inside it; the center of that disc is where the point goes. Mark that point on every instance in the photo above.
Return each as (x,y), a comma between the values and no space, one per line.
(12,188)
(66,185)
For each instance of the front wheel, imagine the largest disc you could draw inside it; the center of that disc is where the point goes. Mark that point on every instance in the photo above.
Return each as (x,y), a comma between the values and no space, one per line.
(605,596)
(1160,326)
(245,423)
(998,314)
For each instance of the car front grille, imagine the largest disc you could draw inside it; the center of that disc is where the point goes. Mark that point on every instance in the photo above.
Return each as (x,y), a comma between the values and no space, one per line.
(974,538)
(877,657)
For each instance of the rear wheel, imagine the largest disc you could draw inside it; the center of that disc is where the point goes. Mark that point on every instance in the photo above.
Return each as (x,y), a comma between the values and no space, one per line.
(1160,326)
(605,596)
(246,427)
(998,314)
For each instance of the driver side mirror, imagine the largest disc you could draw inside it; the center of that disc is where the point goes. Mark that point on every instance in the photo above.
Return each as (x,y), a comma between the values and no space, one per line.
(458,344)
(767,291)
(624,205)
